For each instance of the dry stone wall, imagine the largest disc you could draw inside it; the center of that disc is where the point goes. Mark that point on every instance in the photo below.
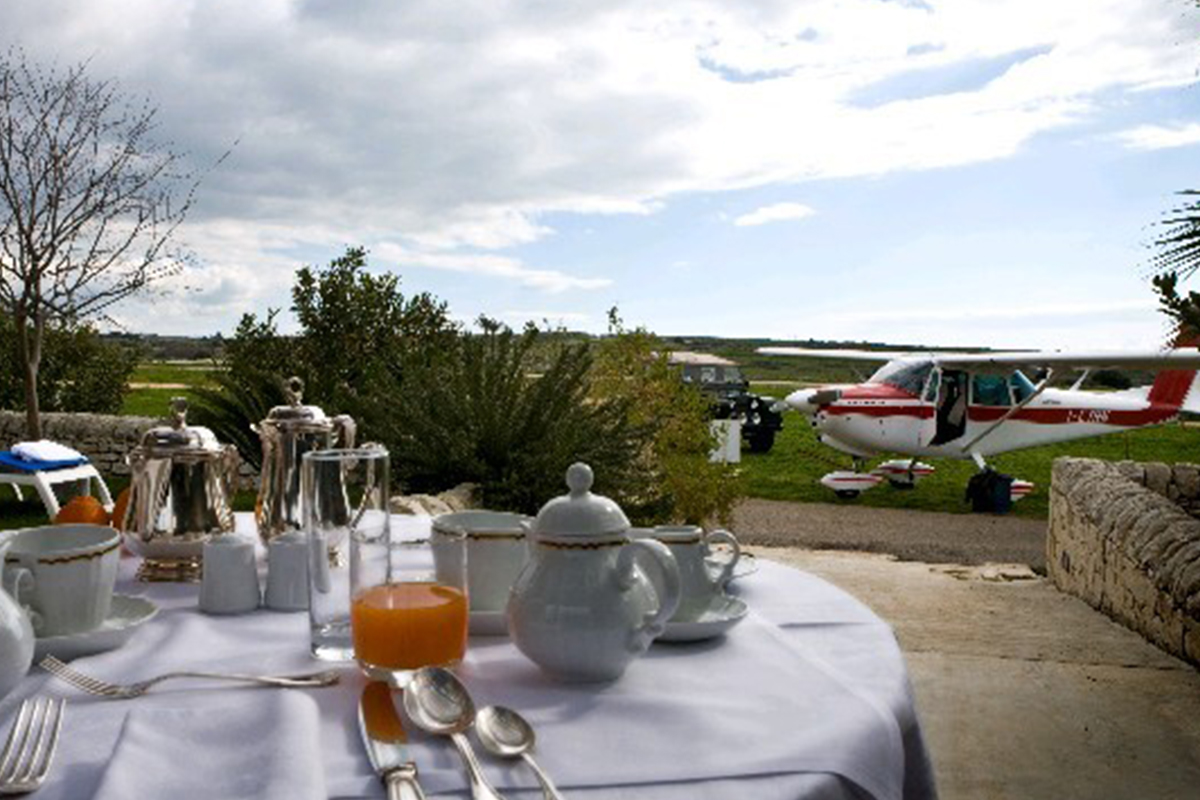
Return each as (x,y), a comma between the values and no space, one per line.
(105,440)
(1121,539)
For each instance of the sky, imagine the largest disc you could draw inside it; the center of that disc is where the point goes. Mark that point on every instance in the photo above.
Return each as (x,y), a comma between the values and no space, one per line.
(975,172)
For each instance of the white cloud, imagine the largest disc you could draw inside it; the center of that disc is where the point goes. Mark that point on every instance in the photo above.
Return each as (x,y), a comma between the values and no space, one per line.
(449,128)
(492,266)
(774,213)
(1160,137)
(454,124)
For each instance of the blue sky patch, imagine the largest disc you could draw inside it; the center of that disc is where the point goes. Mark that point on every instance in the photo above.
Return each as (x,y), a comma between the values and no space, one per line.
(965,76)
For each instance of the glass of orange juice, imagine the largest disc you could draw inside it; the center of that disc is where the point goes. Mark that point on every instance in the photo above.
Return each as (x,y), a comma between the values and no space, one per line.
(408,604)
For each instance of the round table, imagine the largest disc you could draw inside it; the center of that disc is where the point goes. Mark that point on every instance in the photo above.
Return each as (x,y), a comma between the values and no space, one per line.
(807,698)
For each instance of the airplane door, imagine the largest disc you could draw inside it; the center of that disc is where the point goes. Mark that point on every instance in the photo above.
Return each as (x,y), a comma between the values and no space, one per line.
(950,412)
(927,426)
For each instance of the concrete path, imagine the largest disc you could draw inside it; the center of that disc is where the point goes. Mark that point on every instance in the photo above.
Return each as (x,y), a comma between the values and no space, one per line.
(1025,692)
(912,535)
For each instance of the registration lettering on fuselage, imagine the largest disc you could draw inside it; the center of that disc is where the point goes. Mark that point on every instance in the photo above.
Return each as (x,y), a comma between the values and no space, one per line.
(1094,415)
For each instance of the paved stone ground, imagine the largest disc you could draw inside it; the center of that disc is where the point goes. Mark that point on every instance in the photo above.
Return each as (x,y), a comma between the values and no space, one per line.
(909,535)
(1023,692)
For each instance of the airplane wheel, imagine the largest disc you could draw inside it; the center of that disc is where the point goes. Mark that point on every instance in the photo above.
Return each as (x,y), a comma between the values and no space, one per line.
(847,494)
(901,484)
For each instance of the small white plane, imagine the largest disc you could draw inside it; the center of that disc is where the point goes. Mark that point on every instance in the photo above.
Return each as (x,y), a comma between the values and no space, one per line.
(975,405)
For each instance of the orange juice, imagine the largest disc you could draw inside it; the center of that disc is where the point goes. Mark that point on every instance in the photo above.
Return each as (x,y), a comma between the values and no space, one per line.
(409,625)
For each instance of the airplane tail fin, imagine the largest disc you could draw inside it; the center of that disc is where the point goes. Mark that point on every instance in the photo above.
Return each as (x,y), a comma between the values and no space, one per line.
(1178,387)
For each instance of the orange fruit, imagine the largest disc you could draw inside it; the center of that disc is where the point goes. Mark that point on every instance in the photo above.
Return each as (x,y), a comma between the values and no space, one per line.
(118,513)
(83,509)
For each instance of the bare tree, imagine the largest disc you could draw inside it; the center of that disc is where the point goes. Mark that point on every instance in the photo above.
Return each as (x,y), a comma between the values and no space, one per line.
(89,202)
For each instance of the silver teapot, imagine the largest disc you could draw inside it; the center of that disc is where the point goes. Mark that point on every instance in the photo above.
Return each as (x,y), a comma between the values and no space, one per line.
(288,432)
(181,495)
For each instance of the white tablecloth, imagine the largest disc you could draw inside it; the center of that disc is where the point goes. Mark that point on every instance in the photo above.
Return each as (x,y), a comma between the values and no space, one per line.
(811,665)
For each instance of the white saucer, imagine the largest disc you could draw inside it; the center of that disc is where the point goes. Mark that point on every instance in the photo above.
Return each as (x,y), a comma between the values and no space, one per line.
(722,614)
(487,623)
(127,614)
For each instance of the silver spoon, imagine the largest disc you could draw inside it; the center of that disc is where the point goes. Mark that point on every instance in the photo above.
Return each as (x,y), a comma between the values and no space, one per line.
(504,732)
(436,701)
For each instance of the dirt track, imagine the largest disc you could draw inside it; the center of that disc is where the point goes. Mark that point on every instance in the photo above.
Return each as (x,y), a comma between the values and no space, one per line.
(910,535)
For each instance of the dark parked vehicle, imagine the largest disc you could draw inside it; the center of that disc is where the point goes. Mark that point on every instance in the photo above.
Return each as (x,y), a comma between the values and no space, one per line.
(731,398)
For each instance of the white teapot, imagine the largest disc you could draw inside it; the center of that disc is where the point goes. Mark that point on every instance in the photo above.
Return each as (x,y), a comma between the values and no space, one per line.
(16,634)
(583,608)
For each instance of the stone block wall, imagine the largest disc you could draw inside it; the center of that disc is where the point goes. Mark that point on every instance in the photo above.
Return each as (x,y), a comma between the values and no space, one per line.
(1119,541)
(105,440)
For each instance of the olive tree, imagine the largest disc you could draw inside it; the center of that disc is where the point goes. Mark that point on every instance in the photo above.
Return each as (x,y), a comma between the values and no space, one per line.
(89,203)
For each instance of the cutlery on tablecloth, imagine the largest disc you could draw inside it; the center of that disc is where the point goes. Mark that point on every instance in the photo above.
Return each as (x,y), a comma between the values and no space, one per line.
(120,691)
(386,742)
(31,745)
(505,733)
(437,702)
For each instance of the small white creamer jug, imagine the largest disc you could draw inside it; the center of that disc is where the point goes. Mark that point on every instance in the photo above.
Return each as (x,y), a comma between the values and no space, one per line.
(584,606)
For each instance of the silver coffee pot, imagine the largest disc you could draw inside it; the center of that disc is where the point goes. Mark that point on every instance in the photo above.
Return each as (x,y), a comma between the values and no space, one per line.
(288,432)
(180,496)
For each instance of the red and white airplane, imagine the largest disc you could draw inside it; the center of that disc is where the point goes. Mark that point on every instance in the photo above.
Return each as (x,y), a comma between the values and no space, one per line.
(975,405)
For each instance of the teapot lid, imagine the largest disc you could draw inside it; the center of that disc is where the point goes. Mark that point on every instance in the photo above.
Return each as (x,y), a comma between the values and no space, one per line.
(178,437)
(294,412)
(580,514)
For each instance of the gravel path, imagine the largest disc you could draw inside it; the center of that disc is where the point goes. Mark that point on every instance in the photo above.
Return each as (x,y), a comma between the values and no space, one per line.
(909,535)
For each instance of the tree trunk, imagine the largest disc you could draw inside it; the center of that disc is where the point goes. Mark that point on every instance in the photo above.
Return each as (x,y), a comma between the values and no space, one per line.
(31,358)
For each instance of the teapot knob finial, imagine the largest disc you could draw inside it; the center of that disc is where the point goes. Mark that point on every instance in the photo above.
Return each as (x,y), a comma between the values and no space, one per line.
(579,478)
(179,407)
(293,390)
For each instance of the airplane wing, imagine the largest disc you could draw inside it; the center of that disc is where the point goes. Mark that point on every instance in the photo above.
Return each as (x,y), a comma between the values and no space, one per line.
(850,355)
(1148,360)
(1185,358)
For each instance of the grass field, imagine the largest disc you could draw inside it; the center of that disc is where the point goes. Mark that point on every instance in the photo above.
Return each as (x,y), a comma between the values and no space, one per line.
(153,401)
(189,372)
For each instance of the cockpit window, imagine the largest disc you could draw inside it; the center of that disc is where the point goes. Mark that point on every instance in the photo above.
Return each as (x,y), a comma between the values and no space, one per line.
(931,388)
(996,390)
(990,390)
(907,375)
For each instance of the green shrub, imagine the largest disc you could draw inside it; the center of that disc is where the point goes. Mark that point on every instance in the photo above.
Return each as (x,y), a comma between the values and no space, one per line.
(481,416)
(233,404)
(678,482)
(79,371)
(357,333)
(507,411)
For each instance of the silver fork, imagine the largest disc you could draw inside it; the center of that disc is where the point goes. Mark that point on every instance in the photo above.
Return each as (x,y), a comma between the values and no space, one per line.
(30,745)
(117,690)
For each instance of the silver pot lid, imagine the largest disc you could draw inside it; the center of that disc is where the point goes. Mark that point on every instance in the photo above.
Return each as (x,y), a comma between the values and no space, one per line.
(295,412)
(580,514)
(177,437)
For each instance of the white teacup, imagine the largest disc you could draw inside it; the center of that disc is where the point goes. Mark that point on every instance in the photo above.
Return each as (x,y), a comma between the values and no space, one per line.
(690,546)
(71,571)
(496,553)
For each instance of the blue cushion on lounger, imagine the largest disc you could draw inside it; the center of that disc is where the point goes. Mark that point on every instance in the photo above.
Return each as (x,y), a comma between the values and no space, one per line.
(10,462)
